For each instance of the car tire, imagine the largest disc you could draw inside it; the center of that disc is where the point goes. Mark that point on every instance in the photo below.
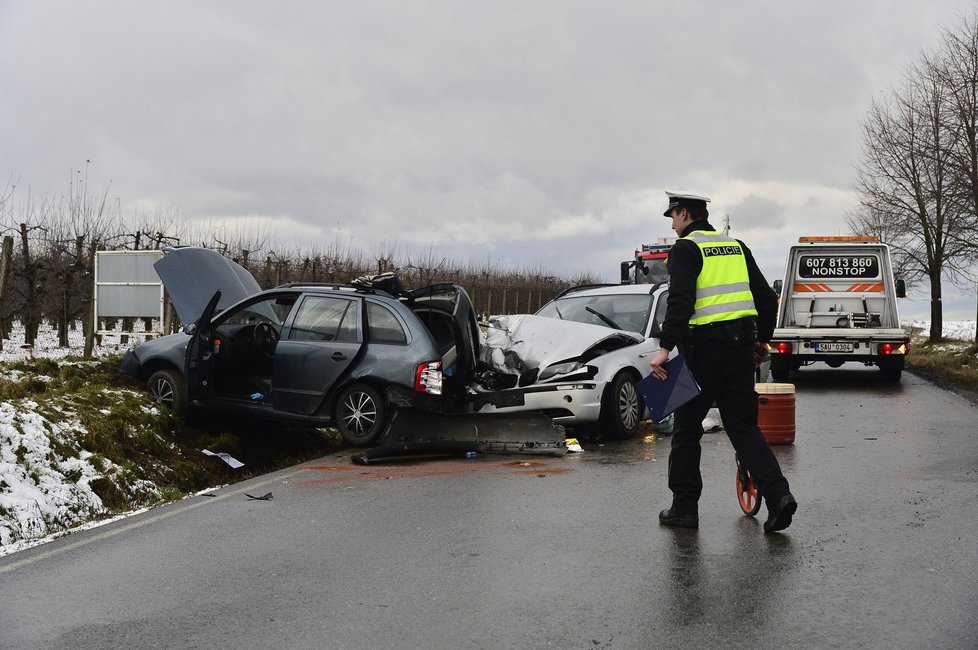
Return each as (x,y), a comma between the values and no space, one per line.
(621,408)
(166,387)
(360,414)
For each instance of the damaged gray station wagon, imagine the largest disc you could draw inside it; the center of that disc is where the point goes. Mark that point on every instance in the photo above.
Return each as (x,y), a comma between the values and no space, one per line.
(350,355)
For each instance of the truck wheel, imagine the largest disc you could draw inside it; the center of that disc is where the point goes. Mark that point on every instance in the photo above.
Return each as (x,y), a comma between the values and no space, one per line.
(166,387)
(621,408)
(891,369)
(360,415)
(779,369)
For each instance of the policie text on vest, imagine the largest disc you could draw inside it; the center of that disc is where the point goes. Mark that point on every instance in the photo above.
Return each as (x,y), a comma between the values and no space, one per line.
(710,251)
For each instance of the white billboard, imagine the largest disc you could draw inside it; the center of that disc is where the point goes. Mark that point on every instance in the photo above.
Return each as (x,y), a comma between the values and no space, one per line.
(127,286)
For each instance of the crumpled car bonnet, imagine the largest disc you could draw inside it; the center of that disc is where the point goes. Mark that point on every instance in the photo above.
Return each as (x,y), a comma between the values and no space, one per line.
(515,344)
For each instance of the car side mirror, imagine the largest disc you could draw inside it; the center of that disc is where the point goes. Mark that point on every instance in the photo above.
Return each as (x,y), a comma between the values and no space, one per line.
(656,330)
(901,288)
(778,284)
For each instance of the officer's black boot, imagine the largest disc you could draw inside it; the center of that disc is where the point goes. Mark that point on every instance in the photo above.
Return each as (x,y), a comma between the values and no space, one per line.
(779,513)
(672,518)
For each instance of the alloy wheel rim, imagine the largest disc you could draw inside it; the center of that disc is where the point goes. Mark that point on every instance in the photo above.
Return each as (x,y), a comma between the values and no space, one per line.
(359,413)
(628,405)
(163,392)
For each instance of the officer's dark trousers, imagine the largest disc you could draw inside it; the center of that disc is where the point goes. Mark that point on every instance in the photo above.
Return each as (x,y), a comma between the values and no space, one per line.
(725,372)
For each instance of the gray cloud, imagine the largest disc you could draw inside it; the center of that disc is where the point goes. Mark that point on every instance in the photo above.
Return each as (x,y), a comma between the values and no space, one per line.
(532,133)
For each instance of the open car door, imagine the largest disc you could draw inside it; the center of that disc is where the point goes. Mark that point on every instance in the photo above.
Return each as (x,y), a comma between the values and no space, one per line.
(200,352)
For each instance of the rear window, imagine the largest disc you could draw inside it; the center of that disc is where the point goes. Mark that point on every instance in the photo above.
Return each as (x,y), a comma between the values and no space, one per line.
(827,267)
(383,325)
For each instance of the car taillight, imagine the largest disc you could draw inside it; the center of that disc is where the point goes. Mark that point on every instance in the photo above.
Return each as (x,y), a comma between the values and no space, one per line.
(780,347)
(892,348)
(427,378)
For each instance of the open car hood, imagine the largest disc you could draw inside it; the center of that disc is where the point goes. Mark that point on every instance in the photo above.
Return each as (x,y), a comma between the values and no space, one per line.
(523,342)
(192,275)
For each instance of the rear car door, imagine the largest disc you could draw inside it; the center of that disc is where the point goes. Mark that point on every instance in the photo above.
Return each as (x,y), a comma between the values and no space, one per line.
(318,345)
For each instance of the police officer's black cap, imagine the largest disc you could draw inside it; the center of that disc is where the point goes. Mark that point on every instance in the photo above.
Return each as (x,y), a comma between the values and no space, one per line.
(684,200)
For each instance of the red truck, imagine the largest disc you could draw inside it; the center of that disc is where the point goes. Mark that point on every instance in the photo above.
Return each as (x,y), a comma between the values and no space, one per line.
(648,266)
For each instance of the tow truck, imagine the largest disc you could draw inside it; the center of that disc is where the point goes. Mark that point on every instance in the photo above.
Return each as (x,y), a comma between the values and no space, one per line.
(838,304)
(648,265)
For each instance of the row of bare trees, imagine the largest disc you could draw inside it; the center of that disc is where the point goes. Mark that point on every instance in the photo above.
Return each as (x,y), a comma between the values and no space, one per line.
(918,173)
(49,249)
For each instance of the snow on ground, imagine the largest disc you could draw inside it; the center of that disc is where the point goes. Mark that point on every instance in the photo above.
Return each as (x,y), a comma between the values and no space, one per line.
(42,486)
(45,475)
(44,491)
(962,330)
(46,344)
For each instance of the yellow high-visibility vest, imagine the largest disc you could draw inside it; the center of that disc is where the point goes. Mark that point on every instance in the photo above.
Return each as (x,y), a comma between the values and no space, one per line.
(723,286)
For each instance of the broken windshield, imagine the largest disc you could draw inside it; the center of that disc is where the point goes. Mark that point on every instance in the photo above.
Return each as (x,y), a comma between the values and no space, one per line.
(629,311)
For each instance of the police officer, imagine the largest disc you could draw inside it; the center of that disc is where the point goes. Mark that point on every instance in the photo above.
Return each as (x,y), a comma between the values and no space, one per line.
(720,314)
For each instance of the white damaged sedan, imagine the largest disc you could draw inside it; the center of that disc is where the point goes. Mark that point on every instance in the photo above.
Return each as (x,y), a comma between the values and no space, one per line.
(579,357)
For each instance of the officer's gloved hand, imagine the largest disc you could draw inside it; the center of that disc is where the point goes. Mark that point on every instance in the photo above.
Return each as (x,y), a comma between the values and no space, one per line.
(762,352)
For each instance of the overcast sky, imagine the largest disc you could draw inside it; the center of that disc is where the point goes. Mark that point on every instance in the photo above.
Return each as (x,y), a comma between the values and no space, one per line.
(532,134)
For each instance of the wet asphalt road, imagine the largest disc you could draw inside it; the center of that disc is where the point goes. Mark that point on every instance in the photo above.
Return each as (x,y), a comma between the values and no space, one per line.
(516,552)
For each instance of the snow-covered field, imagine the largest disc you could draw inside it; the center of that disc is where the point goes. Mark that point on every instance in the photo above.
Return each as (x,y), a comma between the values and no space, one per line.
(962,330)
(46,344)
(44,493)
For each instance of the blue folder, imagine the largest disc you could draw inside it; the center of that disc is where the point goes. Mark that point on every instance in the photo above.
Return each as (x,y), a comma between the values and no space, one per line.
(663,396)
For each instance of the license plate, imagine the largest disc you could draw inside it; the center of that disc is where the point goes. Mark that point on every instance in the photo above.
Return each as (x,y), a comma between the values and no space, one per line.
(833,347)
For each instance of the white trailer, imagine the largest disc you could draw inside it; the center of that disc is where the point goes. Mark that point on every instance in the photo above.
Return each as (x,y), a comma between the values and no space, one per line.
(837,305)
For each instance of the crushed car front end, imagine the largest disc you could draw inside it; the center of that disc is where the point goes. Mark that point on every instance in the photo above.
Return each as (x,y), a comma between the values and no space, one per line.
(563,369)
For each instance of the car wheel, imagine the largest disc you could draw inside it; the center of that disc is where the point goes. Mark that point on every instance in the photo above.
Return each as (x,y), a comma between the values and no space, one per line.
(166,387)
(621,409)
(360,415)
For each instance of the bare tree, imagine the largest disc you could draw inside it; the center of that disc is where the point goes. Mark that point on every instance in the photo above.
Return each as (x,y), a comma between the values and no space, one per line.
(906,186)
(958,68)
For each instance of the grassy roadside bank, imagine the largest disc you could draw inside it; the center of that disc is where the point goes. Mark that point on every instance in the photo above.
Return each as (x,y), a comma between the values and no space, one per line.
(951,364)
(81,442)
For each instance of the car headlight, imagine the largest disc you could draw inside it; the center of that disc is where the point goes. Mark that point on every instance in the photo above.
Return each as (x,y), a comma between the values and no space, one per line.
(559,369)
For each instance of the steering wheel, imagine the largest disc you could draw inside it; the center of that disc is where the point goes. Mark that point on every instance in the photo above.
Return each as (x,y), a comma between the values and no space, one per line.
(266,338)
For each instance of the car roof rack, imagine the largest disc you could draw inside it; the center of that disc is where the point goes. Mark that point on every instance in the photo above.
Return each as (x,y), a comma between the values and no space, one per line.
(332,285)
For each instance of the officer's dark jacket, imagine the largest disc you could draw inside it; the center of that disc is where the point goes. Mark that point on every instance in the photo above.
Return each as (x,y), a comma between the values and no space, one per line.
(685,263)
